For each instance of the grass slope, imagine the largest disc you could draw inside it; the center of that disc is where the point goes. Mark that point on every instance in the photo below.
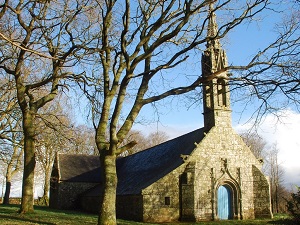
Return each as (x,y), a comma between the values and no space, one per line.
(43,215)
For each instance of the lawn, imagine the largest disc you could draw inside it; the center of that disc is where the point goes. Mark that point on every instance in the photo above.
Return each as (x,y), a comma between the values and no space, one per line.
(43,215)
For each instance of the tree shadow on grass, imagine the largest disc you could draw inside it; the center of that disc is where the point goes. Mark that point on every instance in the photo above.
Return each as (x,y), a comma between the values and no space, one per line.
(284,222)
(16,218)
(11,213)
(47,209)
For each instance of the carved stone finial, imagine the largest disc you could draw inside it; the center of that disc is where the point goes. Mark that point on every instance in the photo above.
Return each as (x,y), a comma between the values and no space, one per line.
(225,164)
(214,57)
(238,174)
(184,157)
(212,30)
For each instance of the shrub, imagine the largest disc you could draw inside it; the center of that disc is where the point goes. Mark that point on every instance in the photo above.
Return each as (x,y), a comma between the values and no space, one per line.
(293,205)
(43,201)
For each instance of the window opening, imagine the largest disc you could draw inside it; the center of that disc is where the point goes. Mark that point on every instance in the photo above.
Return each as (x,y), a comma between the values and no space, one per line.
(167,200)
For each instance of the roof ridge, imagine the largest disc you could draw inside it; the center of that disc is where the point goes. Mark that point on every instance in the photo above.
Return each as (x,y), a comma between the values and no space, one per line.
(164,143)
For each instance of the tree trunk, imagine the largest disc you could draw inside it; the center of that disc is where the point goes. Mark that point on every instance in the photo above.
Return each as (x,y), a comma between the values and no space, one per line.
(47,182)
(107,214)
(44,200)
(8,178)
(29,163)
(7,192)
(276,199)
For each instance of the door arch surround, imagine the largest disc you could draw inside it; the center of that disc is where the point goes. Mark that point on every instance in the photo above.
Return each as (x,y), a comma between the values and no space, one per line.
(231,191)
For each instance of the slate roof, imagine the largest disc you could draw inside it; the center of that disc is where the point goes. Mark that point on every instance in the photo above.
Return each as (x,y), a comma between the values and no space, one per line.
(135,172)
(138,171)
(79,168)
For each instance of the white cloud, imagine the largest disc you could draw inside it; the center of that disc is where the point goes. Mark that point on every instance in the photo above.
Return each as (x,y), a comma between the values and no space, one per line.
(283,129)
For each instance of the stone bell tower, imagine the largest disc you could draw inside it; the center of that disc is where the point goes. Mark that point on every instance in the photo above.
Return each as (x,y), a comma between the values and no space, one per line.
(216,93)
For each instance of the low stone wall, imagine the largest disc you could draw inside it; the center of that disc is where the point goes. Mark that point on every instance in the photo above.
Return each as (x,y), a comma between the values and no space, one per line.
(66,194)
(90,204)
(13,201)
(130,207)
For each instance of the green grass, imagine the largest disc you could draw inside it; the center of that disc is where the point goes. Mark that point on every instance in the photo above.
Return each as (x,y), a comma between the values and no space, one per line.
(43,215)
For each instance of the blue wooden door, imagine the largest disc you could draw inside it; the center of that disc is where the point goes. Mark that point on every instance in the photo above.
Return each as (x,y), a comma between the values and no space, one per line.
(224,203)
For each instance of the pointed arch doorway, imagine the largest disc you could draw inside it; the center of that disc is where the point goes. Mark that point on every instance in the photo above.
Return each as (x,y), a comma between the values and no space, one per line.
(225,203)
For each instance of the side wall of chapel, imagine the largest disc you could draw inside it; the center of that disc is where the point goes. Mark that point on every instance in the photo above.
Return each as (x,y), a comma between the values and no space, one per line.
(161,200)
(261,188)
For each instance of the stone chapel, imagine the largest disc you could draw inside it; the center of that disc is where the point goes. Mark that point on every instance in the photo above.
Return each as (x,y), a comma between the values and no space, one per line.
(207,174)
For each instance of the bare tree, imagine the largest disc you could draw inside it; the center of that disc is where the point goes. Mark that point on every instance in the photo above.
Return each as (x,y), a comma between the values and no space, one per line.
(12,153)
(40,39)
(156,138)
(143,141)
(136,136)
(53,136)
(11,138)
(133,62)
(82,140)
(9,110)
(256,143)
(272,75)
(141,46)
(276,180)
(272,167)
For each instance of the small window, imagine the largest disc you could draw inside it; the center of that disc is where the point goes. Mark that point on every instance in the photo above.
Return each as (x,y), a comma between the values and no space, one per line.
(184,178)
(167,201)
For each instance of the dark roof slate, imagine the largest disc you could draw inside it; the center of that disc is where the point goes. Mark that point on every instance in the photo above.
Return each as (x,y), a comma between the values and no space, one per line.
(138,171)
(79,168)
(135,172)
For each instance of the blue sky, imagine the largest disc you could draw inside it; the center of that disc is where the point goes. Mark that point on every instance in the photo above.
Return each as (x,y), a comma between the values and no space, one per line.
(180,117)
(241,44)
(177,116)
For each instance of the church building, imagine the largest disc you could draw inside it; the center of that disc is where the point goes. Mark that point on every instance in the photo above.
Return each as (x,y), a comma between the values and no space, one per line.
(207,174)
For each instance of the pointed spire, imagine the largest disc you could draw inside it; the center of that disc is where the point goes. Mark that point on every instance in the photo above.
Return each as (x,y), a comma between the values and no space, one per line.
(212,29)
(216,93)
(214,58)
